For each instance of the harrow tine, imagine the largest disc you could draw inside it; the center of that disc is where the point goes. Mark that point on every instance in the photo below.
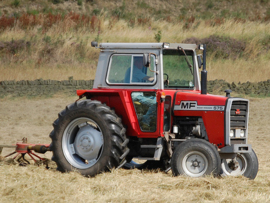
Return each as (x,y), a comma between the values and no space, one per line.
(37,156)
(24,162)
(29,153)
(10,154)
(15,156)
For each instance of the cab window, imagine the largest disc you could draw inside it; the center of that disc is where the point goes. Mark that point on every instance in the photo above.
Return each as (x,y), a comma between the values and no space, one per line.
(178,69)
(129,69)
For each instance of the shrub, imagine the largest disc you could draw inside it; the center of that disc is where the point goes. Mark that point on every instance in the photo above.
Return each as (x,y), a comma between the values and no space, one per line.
(222,47)
(142,4)
(33,12)
(15,3)
(96,11)
(209,4)
(14,46)
(56,1)
(120,12)
(47,39)
(79,2)
(158,36)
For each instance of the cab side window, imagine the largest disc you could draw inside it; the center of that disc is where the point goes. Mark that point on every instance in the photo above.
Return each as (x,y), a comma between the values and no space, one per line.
(129,69)
(119,65)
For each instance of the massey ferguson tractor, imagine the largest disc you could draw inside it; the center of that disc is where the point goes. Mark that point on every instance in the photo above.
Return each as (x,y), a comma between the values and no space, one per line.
(148,103)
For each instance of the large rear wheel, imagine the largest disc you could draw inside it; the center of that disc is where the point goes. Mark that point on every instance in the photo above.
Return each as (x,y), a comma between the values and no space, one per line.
(88,137)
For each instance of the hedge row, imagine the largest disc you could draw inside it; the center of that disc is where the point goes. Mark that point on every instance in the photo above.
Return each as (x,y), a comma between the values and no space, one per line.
(41,87)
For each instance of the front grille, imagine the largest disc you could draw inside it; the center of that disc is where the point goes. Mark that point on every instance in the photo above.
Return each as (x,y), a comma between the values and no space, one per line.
(239,112)
(236,121)
(238,141)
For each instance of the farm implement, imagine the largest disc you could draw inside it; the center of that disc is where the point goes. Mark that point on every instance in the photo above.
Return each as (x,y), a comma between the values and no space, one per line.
(22,148)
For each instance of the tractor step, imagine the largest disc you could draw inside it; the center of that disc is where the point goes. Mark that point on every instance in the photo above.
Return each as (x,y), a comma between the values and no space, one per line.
(158,150)
(151,146)
(147,158)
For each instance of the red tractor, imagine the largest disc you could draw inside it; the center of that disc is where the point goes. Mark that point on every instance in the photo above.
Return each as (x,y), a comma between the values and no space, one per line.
(148,103)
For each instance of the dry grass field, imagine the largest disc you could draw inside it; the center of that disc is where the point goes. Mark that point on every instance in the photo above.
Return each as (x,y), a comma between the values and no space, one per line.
(32,118)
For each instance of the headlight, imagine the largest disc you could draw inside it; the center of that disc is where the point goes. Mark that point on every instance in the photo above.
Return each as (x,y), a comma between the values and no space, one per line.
(242,133)
(232,133)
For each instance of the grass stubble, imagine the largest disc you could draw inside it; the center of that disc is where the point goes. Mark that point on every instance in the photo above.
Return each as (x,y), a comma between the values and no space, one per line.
(33,118)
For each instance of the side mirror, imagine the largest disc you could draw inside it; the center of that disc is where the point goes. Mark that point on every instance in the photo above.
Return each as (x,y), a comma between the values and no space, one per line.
(201,47)
(146,60)
(94,44)
(199,59)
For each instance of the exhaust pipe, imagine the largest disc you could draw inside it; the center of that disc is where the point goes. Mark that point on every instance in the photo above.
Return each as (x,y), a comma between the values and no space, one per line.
(204,72)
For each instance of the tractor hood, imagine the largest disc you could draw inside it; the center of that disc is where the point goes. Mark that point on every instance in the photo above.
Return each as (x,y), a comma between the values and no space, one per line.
(198,102)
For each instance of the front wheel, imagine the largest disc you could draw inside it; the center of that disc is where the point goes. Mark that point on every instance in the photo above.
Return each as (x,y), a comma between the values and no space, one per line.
(245,164)
(195,158)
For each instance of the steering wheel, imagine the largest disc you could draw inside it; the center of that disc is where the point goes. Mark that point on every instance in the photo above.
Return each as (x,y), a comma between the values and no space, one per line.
(166,82)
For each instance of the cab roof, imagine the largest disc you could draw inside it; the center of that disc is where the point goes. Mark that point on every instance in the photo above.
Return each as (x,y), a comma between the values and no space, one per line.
(147,46)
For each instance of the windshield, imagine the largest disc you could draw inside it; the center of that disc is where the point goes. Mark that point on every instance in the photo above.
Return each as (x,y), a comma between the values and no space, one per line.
(177,72)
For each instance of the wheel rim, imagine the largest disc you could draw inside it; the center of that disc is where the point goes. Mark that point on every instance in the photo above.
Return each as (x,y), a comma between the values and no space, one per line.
(82,143)
(195,164)
(236,168)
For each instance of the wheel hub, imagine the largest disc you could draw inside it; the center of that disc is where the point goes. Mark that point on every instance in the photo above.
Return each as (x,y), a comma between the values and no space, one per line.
(82,143)
(88,142)
(195,164)
(234,167)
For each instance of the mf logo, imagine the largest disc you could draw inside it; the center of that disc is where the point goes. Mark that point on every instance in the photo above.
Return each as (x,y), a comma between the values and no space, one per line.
(188,105)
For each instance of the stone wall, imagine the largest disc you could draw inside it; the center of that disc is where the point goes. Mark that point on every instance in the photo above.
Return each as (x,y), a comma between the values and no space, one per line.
(36,88)
(27,88)
(258,89)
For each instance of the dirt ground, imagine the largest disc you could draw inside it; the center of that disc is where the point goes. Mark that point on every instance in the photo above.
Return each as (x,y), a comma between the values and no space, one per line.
(33,119)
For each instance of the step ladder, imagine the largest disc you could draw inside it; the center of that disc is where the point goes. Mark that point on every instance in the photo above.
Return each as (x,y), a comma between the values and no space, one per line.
(158,150)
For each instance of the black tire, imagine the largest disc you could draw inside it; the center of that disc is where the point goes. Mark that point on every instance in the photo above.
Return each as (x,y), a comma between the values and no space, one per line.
(86,130)
(195,158)
(247,165)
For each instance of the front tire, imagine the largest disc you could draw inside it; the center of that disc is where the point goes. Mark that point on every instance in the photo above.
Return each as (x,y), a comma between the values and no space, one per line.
(245,164)
(88,137)
(195,158)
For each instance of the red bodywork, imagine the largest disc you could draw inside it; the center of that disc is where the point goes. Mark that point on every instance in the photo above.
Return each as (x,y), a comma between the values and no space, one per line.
(121,101)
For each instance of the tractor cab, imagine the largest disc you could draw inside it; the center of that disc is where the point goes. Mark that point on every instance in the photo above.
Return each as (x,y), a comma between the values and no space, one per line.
(148,66)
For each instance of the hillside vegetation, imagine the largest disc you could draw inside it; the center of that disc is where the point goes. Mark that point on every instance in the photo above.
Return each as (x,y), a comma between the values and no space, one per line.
(51,39)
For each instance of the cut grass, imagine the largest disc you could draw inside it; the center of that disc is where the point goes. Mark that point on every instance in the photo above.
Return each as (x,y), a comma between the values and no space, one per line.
(33,118)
